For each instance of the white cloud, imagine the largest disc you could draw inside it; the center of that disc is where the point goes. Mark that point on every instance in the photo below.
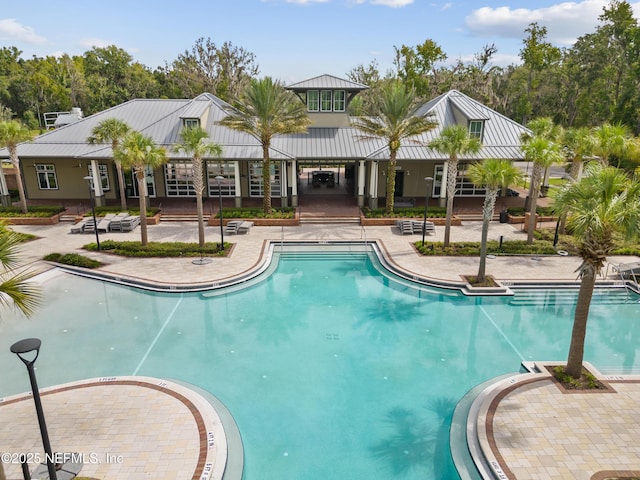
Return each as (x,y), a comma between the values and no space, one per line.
(12,30)
(565,21)
(447,6)
(89,43)
(304,2)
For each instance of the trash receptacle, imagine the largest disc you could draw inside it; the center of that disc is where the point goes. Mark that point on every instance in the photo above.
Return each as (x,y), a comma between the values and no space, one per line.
(504,216)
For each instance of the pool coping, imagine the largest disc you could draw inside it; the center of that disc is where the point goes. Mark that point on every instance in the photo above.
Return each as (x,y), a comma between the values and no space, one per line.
(270,247)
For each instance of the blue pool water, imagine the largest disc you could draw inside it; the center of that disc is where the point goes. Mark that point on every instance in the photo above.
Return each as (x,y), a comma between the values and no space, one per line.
(331,367)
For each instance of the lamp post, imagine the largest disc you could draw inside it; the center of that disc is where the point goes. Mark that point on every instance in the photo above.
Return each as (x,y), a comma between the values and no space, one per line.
(93,210)
(20,348)
(428,181)
(219,180)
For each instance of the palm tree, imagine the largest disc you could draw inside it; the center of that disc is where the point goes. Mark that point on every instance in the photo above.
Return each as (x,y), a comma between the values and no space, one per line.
(604,202)
(11,134)
(193,143)
(611,140)
(267,110)
(112,130)
(16,289)
(544,127)
(138,151)
(544,153)
(493,174)
(394,121)
(579,145)
(454,141)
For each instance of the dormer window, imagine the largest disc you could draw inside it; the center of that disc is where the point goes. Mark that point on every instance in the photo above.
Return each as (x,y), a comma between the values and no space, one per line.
(475,128)
(191,122)
(313,101)
(326,100)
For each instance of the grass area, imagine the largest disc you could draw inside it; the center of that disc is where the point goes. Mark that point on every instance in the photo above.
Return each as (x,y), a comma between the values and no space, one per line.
(73,259)
(34,211)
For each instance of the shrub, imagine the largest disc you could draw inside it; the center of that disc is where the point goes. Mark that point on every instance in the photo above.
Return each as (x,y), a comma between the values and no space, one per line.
(256,213)
(158,249)
(510,247)
(101,211)
(35,211)
(432,212)
(73,259)
(520,211)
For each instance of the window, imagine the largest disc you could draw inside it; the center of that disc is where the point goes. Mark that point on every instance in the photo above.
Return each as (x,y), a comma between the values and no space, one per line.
(104,177)
(338,101)
(475,129)
(255,179)
(464,186)
(191,122)
(312,101)
(227,171)
(179,179)
(325,100)
(47,177)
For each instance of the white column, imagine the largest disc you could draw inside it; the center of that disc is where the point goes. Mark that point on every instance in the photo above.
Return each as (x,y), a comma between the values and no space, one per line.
(361,182)
(443,185)
(373,185)
(293,181)
(97,183)
(238,184)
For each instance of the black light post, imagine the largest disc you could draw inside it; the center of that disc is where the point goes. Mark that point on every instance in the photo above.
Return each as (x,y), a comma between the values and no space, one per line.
(428,181)
(20,348)
(219,180)
(93,210)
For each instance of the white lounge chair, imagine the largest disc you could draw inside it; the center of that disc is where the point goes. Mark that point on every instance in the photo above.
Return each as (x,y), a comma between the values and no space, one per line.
(105,222)
(116,222)
(79,227)
(430,228)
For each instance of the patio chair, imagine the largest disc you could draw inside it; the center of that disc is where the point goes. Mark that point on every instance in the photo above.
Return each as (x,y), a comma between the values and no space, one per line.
(232,227)
(103,224)
(430,228)
(405,226)
(116,222)
(130,223)
(244,227)
(79,227)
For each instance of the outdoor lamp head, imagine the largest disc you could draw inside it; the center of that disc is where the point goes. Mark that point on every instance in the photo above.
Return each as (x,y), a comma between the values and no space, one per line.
(428,179)
(219,179)
(25,346)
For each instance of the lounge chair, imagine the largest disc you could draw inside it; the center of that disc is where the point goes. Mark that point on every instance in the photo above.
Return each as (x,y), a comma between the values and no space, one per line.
(405,226)
(89,226)
(130,223)
(430,228)
(244,227)
(79,227)
(232,227)
(116,222)
(103,224)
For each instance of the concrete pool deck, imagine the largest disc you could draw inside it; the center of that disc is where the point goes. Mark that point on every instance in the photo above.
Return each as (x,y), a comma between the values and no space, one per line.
(533,430)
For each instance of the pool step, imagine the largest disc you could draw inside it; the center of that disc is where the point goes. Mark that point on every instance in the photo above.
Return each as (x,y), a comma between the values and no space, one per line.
(537,297)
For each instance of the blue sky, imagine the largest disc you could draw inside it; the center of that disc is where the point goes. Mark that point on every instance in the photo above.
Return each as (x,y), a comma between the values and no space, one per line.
(292,39)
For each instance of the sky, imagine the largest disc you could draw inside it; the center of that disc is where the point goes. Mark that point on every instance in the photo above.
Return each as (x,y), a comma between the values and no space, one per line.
(293,40)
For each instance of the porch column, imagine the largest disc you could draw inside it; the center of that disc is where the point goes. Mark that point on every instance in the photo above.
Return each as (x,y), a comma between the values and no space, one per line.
(4,190)
(97,184)
(442,201)
(361,182)
(284,184)
(238,185)
(293,181)
(373,185)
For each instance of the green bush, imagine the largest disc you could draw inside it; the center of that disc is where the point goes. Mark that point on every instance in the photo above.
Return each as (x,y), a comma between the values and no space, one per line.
(403,212)
(159,249)
(101,211)
(73,259)
(256,213)
(520,211)
(35,211)
(510,247)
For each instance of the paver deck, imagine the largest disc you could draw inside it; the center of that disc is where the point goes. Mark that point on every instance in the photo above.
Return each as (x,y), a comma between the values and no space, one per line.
(537,431)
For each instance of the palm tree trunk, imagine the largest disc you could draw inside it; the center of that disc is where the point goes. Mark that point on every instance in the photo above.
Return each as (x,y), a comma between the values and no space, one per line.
(16,164)
(391,182)
(534,192)
(198,186)
(143,206)
(576,348)
(487,213)
(266,180)
(452,173)
(123,196)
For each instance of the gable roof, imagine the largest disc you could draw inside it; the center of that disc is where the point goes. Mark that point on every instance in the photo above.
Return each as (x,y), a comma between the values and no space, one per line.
(327,82)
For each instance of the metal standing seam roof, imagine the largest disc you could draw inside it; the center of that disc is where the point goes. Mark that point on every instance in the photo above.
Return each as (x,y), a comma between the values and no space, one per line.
(162,120)
(327,82)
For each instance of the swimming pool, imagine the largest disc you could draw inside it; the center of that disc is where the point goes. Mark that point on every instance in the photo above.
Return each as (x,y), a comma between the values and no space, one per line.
(331,366)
